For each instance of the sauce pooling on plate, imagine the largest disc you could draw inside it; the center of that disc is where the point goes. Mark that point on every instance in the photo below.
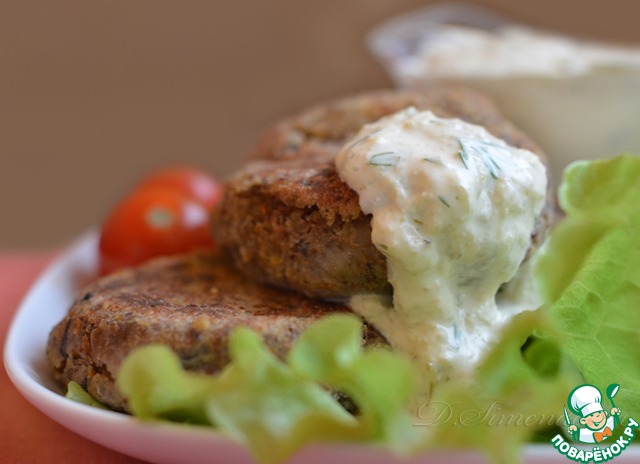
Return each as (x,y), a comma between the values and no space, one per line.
(453,208)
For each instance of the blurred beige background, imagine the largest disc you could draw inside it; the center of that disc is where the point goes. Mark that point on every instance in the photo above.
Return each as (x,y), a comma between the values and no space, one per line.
(94,94)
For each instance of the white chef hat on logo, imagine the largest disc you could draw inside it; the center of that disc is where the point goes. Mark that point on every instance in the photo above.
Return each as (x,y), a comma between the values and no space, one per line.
(586,400)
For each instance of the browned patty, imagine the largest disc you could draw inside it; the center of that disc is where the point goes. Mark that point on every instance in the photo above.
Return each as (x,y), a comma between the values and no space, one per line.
(287,219)
(190,303)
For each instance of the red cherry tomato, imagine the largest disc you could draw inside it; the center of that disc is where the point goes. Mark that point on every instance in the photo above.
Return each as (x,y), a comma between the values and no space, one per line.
(152,222)
(192,181)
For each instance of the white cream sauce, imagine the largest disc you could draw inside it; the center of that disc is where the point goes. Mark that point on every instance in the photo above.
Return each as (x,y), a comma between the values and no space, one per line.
(465,51)
(577,99)
(453,208)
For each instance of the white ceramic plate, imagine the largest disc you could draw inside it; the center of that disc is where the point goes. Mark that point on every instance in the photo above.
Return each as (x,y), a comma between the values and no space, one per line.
(47,303)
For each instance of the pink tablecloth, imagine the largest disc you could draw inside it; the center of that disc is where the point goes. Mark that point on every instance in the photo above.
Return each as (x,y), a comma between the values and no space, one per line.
(27,435)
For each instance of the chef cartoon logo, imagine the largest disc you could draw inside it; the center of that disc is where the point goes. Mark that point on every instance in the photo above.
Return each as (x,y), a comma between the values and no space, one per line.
(595,425)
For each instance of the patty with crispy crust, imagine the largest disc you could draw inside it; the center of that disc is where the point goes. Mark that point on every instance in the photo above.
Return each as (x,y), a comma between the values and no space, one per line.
(287,219)
(189,303)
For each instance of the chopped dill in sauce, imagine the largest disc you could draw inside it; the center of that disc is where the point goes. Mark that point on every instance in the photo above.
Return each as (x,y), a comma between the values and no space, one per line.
(444,202)
(483,149)
(362,139)
(462,153)
(387,158)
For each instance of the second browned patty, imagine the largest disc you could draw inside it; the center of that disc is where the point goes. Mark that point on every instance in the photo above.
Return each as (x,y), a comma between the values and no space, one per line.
(190,303)
(288,220)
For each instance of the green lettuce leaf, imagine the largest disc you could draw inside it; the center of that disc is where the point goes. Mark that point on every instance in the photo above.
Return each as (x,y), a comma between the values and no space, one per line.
(76,393)
(272,407)
(589,273)
(157,387)
(381,383)
(264,404)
